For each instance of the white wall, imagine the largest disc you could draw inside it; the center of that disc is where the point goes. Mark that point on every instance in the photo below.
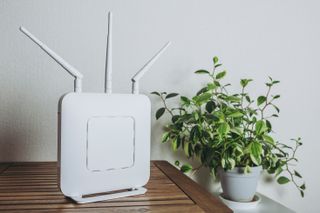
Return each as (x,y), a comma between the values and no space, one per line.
(253,38)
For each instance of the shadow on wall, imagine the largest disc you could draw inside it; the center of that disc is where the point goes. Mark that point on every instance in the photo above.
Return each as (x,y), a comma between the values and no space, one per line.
(12,142)
(205,179)
(10,147)
(202,176)
(15,131)
(268,180)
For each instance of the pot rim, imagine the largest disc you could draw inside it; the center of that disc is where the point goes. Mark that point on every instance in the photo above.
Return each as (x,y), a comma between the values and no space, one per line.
(239,171)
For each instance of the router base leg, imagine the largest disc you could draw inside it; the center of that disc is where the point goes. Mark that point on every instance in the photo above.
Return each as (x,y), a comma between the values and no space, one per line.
(131,192)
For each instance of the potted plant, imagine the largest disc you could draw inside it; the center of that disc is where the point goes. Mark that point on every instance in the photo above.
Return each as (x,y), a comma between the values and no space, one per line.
(231,134)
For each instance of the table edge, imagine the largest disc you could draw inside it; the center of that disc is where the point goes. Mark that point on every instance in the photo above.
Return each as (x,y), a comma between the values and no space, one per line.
(205,200)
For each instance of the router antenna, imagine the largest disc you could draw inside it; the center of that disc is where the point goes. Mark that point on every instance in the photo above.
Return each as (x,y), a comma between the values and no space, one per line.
(135,79)
(69,68)
(108,68)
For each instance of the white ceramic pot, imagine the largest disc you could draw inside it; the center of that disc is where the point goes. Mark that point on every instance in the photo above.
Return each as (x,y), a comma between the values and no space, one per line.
(239,186)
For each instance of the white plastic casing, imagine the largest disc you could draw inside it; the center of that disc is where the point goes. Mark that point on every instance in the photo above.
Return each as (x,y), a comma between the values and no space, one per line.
(104,142)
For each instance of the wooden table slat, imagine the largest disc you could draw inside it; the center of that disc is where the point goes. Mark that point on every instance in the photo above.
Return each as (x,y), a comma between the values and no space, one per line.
(131,209)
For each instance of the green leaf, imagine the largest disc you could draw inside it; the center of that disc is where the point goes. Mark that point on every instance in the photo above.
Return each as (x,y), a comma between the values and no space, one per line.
(197,150)
(171,95)
(244,82)
(223,129)
(297,174)
(215,59)
(261,100)
(247,169)
(237,130)
(260,127)
(202,72)
(216,83)
(210,106)
(160,112)
(175,118)
(217,65)
(232,163)
(232,98)
(177,163)
(255,159)
(303,186)
(212,117)
(254,119)
(226,85)
(185,100)
(203,97)
(302,193)
(196,116)
(276,96)
(221,74)
(174,144)
(276,108)
(278,171)
(236,115)
(211,86)
(283,180)
(165,137)
(203,90)
(223,163)
(255,152)
(186,168)
(269,126)
(185,118)
(194,132)
(156,93)
(248,98)
(280,155)
(186,149)
(268,139)
(256,148)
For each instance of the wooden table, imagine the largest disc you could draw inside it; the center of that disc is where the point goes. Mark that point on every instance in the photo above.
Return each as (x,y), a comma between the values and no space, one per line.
(32,187)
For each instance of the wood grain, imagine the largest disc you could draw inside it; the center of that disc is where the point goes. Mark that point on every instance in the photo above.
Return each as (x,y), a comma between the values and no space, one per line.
(32,187)
(3,167)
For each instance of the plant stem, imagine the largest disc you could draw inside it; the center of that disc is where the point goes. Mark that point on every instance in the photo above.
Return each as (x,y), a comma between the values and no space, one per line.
(195,170)
(165,105)
(266,104)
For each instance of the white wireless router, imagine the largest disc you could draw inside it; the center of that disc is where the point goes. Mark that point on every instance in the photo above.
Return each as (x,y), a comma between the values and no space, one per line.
(104,138)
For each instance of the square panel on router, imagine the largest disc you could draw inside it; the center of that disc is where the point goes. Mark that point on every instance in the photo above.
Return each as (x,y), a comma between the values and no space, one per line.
(104,145)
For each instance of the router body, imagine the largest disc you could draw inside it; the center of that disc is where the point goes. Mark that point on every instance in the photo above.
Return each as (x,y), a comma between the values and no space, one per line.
(104,143)
(103,138)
